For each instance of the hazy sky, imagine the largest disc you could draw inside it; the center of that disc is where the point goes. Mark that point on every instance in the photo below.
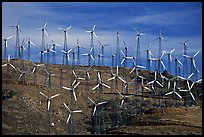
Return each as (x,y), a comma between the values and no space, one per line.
(178,21)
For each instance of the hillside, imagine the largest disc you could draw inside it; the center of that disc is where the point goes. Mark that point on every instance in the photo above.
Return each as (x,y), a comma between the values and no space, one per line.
(24,109)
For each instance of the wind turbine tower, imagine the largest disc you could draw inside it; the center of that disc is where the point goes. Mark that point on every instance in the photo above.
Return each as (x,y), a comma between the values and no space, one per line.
(138,55)
(117,57)
(92,42)
(17,48)
(185,65)
(65,42)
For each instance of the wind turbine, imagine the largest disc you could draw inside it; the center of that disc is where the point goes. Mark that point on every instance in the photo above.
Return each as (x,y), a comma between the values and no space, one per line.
(102,50)
(21,50)
(72,89)
(29,44)
(48,53)
(53,53)
(116,76)
(5,45)
(177,61)
(71,112)
(174,91)
(117,56)
(92,42)
(135,66)
(185,68)
(22,75)
(96,105)
(100,83)
(138,56)
(34,71)
(89,56)
(155,81)
(66,53)
(48,107)
(9,63)
(159,61)
(76,78)
(123,98)
(189,89)
(43,40)
(17,48)
(65,40)
(49,75)
(160,38)
(149,54)
(169,59)
(78,52)
(192,59)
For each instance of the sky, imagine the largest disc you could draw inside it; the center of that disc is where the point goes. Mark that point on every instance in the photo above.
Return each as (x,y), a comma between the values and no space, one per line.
(177,21)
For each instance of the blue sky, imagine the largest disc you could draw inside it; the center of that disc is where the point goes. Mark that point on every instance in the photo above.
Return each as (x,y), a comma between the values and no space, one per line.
(178,21)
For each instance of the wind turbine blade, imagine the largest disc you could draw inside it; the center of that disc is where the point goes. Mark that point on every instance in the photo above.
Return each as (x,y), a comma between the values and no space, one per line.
(194,63)
(188,84)
(48,104)
(179,62)
(190,75)
(32,43)
(94,27)
(132,70)
(92,57)
(186,56)
(94,110)
(92,101)
(119,93)
(147,88)
(163,64)
(67,107)
(95,87)
(74,96)
(192,85)
(172,51)
(88,74)
(12,66)
(88,31)
(52,51)
(44,95)
(159,84)
(177,94)
(77,111)
(181,77)
(169,85)
(99,77)
(191,95)
(122,101)
(74,74)
(150,82)
(76,85)
(74,82)
(69,28)
(85,54)
(105,85)
(68,117)
(66,88)
(95,34)
(69,50)
(45,25)
(45,32)
(111,78)
(169,93)
(199,80)
(100,103)
(122,61)
(4,65)
(55,96)
(9,37)
(195,54)
(122,79)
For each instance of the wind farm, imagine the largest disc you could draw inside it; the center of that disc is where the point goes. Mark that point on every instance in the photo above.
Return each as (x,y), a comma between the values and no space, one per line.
(71,83)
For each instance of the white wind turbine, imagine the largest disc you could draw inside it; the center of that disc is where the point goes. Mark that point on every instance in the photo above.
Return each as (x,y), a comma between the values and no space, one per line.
(34,71)
(96,105)
(159,61)
(48,106)
(124,57)
(192,59)
(138,56)
(149,54)
(65,41)
(185,68)
(48,53)
(9,63)
(53,53)
(17,47)
(177,62)
(43,40)
(123,98)
(5,45)
(76,78)
(92,42)
(169,59)
(66,53)
(29,44)
(135,66)
(174,91)
(72,89)
(22,75)
(71,112)
(21,49)
(49,75)
(89,56)
(102,51)
(116,76)
(100,83)
(155,81)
